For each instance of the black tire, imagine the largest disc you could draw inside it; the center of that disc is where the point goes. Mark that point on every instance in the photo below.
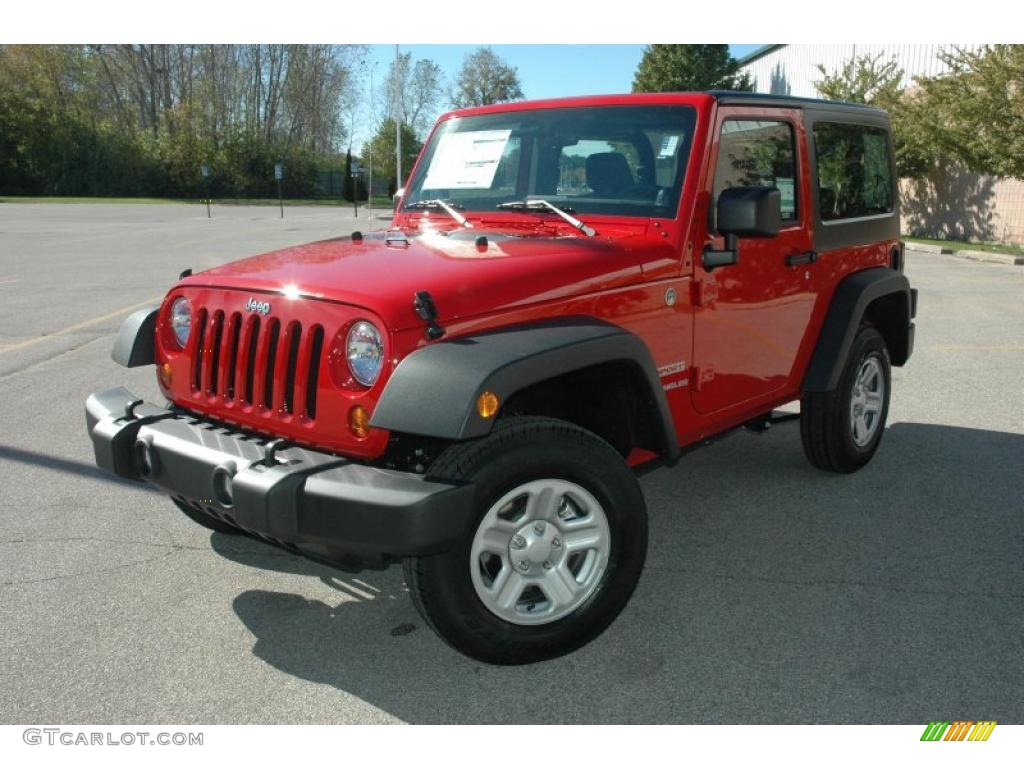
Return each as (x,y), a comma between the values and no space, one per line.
(826,426)
(205,520)
(517,451)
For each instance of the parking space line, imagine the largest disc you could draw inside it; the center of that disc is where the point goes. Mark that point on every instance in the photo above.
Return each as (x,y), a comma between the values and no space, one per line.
(79,326)
(977,348)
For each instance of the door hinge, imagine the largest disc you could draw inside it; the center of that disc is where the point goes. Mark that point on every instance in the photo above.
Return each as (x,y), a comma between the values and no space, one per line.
(705,293)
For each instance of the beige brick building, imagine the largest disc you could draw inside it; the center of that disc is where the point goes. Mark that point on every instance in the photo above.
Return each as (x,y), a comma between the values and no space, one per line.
(951,203)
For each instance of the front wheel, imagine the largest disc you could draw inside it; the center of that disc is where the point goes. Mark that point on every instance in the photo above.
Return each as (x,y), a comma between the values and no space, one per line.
(555,549)
(841,429)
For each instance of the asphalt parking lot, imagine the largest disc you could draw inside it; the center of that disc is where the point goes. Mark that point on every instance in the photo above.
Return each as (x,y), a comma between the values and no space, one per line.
(773,593)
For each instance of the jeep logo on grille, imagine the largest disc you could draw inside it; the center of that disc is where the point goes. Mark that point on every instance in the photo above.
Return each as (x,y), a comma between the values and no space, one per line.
(263,307)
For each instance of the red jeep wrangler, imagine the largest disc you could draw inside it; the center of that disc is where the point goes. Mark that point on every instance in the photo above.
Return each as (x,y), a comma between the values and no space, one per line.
(571,290)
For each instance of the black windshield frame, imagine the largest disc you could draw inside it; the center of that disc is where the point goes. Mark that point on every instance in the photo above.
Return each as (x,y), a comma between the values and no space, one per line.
(653,141)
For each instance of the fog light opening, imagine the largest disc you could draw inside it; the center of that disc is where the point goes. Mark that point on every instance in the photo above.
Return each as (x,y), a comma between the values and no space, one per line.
(145,459)
(223,486)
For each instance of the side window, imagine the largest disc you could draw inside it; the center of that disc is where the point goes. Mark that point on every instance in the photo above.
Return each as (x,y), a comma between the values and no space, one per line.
(758,153)
(854,171)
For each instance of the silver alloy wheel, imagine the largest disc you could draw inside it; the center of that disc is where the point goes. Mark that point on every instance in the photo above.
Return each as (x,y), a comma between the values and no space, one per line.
(540,552)
(867,401)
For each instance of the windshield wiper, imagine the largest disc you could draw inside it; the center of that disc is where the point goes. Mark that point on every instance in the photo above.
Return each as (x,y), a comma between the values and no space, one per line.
(450,210)
(544,205)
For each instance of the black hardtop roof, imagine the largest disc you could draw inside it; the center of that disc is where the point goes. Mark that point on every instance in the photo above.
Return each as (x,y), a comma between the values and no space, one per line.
(780,100)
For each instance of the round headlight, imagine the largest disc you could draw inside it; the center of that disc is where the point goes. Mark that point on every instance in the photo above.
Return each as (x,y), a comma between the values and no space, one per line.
(365,352)
(181,320)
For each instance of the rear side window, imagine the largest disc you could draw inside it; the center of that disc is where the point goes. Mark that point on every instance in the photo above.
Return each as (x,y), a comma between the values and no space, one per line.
(854,171)
(758,153)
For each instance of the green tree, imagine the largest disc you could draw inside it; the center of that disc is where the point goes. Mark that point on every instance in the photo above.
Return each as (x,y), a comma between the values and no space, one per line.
(140,119)
(863,80)
(380,150)
(972,115)
(413,89)
(689,68)
(975,112)
(875,81)
(485,79)
(54,135)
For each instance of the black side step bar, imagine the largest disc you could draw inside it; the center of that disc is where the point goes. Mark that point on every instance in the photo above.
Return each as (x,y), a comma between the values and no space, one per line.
(764,422)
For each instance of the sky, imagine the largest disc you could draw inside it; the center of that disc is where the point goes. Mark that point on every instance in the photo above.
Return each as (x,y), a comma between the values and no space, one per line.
(545,71)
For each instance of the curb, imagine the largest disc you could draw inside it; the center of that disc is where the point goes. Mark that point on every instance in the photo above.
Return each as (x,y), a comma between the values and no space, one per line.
(991,258)
(928,248)
(996,258)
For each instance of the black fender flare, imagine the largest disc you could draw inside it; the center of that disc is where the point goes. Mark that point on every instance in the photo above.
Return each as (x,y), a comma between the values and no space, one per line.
(849,302)
(433,391)
(133,346)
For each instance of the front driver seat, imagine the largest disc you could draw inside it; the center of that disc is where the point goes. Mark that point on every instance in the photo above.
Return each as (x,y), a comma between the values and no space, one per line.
(608,175)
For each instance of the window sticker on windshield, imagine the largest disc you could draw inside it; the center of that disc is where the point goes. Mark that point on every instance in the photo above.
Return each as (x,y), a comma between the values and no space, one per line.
(466,160)
(668,146)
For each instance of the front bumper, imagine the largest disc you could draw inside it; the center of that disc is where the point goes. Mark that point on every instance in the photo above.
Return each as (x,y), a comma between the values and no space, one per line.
(910,326)
(323,505)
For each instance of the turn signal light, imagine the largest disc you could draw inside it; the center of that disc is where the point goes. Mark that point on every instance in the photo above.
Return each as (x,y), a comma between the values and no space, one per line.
(359,421)
(164,373)
(487,405)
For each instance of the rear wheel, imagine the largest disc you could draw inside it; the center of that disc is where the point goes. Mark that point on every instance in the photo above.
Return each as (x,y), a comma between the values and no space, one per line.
(554,550)
(841,429)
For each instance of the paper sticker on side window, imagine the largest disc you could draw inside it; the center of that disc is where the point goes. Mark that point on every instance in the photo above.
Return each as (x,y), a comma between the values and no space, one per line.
(466,160)
(788,193)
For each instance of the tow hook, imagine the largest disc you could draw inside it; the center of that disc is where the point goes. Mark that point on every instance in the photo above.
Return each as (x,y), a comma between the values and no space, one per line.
(270,457)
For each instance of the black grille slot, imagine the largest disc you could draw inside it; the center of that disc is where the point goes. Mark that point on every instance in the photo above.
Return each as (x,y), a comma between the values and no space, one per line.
(295,335)
(268,385)
(236,335)
(197,368)
(314,369)
(250,368)
(269,363)
(216,341)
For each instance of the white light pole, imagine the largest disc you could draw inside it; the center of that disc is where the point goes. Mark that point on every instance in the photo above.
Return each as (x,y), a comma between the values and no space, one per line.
(398,120)
(373,124)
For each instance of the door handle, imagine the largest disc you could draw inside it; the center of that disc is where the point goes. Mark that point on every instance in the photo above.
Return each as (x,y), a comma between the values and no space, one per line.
(801,258)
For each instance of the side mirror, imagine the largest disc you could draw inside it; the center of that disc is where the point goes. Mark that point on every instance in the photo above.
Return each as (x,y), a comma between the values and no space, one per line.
(744,212)
(750,211)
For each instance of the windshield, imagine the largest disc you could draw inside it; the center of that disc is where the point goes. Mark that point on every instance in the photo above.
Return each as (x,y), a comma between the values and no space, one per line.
(620,160)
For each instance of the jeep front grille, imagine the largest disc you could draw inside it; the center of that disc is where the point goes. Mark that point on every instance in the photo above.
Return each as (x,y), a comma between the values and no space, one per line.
(268,364)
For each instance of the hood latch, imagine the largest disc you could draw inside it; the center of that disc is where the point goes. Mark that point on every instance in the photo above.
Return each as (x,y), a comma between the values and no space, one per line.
(423,303)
